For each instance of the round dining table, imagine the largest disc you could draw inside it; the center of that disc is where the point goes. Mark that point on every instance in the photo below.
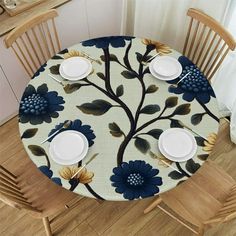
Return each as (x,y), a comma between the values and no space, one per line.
(121,109)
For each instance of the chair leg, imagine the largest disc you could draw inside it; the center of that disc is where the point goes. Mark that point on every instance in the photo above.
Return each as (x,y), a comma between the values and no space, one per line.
(47,226)
(152,205)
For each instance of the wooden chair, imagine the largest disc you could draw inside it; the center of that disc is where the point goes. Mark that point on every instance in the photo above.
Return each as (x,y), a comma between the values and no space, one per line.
(207,42)
(33,192)
(35,41)
(206,199)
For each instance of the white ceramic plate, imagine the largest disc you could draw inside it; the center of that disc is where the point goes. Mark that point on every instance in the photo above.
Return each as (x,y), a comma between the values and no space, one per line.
(177,144)
(68,147)
(75,68)
(165,68)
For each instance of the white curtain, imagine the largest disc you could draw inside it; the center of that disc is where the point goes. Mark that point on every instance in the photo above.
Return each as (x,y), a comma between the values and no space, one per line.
(224,82)
(166,20)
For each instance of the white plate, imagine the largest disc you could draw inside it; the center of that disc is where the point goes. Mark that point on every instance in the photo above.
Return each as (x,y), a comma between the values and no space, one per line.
(177,144)
(68,147)
(165,68)
(75,68)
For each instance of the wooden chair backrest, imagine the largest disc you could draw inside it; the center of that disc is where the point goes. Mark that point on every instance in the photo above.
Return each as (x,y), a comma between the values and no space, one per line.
(207,42)
(11,193)
(227,211)
(35,41)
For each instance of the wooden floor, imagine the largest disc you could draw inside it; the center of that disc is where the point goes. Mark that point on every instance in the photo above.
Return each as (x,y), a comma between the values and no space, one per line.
(90,218)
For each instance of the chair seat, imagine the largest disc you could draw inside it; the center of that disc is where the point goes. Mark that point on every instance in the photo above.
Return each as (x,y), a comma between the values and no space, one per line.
(46,196)
(200,197)
(191,202)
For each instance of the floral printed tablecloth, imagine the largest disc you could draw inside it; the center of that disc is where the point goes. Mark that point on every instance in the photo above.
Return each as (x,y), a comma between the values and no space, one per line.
(122,110)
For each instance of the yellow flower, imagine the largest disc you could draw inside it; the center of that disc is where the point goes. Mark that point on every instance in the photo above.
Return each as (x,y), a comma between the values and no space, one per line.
(72,53)
(209,143)
(160,47)
(84,176)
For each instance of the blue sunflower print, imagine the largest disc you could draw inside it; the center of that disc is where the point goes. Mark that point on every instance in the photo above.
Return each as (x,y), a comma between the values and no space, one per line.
(194,86)
(38,106)
(136,179)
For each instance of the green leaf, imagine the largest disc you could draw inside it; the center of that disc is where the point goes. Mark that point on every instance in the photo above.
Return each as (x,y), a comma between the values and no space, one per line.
(200,141)
(197,118)
(115,130)
(29,133)
(175,175)
(146,71)
(142,144)
(55,69)
(114,127)
(171,102)
(37,150)
(203,157)
(139,56)
(152,89)
(128,74)
(101,75)
(120,90)
(191,166)
(63,51)
(70,88)
(102,57)
(113,57)
(43,88)
(183,109)
(175,124)
(150,109)
(115,134)
(155,133)
(57,57)
(96,108)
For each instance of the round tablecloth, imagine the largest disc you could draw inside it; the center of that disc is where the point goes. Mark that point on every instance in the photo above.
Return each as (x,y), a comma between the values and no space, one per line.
(122,110)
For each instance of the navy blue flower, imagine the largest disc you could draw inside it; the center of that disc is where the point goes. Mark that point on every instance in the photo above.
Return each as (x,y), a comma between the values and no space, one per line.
(46,171)
(115,41)
(194,86)
(41,69)
(136,179)
(77,126)
(39,106)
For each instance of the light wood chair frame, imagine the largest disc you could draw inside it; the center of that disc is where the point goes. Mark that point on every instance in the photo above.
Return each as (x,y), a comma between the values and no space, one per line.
(225,212)
(25,42)
(207,42)
(13,194)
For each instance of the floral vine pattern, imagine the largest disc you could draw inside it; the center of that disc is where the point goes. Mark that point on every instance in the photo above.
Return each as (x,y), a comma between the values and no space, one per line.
(133,179)
(100,107)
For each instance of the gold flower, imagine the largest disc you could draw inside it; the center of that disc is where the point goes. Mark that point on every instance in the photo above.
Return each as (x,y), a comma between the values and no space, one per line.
(72,53)
(160,47)
(210,142)
(84,176)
